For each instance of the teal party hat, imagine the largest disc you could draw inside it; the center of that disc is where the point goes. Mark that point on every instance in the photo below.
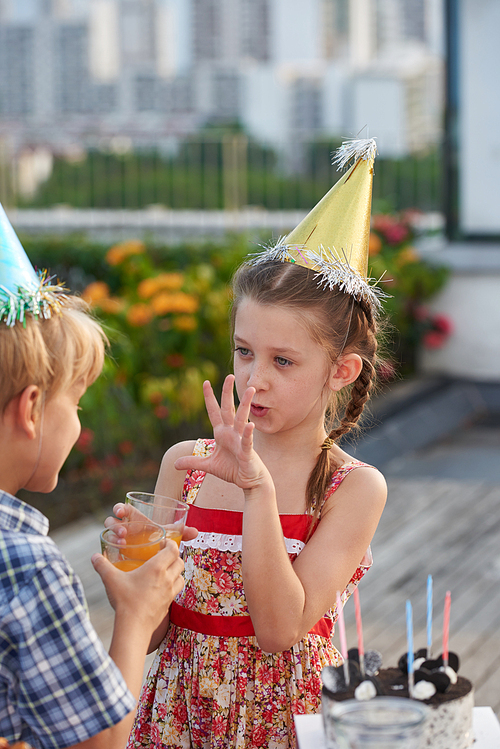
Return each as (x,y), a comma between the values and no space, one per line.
(22,290)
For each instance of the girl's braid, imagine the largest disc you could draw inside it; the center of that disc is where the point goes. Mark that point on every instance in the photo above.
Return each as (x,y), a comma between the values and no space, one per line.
(360,393)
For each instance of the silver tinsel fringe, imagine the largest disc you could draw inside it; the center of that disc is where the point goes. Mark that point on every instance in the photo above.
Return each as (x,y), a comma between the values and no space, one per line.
(331,273)
(41,302)
(352,150)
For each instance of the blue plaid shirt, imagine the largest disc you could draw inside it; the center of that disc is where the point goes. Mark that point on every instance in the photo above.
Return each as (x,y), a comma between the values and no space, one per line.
(58,685)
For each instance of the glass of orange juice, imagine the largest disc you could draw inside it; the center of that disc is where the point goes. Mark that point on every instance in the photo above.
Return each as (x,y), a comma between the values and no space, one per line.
(142,541)
(170,513)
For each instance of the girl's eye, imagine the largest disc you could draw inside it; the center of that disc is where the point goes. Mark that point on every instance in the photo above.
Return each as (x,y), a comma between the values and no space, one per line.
(282,361)
(242,351)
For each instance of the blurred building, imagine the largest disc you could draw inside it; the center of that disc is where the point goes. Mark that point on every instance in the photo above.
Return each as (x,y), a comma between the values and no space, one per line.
(76,73)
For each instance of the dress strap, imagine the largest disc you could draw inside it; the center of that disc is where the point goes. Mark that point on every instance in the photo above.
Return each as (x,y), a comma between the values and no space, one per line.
(194,479)
(339,475)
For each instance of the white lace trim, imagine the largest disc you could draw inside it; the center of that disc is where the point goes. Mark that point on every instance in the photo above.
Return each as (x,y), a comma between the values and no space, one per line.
(232,542)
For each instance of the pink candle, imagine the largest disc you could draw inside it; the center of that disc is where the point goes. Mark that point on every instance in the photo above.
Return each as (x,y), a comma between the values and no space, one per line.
(359,630)
(446,626)
(343,639)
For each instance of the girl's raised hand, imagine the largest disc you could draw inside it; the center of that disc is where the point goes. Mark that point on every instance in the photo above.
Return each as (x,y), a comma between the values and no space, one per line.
(234,458)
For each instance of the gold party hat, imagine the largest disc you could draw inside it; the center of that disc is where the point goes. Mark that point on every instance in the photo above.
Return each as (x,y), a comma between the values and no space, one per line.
(333,238)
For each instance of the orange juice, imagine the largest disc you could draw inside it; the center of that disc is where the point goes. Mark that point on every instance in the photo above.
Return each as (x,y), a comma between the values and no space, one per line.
(141,545)
(174,535)
(128,564)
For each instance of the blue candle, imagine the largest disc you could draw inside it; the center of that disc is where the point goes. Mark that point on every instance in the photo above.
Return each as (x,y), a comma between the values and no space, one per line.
(409,638)
(429,616)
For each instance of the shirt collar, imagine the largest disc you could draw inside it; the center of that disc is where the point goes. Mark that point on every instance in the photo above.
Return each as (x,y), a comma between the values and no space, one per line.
(16,515)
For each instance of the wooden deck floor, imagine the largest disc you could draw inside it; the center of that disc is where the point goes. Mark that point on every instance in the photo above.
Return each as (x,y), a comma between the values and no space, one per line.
(447,528)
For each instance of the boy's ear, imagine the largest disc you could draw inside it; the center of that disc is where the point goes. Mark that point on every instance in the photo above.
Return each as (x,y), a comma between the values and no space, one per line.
(345,371)
(25,410)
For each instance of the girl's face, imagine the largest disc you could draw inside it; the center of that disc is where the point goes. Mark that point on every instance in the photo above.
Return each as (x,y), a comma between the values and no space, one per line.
(60,430)
(275,354)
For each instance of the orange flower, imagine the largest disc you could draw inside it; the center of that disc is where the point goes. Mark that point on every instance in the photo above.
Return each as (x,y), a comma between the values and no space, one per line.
(161,412)
(155,397)
(126,447)
(121,377)
(187,323)
(95,292)
(140,314)
(175,360)
(112,305)
(119,252)
(162,282)
(407,255)
(164,303)
(147,288)
(375,244)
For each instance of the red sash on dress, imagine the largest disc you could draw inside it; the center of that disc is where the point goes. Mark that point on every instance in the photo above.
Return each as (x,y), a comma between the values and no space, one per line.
(229,626)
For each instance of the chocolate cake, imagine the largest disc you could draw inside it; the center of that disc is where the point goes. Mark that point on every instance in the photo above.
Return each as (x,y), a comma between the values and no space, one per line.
(450,697)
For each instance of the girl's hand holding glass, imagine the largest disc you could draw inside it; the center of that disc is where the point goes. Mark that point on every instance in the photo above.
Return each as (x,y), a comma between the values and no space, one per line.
(170,514)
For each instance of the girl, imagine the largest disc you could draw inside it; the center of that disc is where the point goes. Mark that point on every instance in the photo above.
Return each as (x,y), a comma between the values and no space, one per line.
(285,515)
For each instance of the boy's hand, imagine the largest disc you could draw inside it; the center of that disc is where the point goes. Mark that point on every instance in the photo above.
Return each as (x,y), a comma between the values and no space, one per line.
(147,591)
(234,458)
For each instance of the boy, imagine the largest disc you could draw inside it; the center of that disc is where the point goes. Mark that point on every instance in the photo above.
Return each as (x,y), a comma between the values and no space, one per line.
(58,686)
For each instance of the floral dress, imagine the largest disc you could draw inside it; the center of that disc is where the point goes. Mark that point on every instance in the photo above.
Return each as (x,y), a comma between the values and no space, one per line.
(210,686)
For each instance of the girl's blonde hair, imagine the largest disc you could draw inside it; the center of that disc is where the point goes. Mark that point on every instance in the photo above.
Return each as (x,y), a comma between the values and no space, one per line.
(338,323)
(52,354)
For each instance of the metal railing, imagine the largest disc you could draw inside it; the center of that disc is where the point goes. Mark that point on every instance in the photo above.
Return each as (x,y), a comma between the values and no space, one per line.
(229,172)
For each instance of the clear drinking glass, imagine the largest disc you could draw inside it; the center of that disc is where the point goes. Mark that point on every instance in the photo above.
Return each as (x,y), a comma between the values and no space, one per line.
(170,513)
(142,541)
(380,723)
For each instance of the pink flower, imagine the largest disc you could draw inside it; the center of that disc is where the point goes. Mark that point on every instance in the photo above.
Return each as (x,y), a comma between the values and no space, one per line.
(180,712)
(161,411)
(112,461)
(443,324)
(212,606)
(84,441)
(223,582)
(189,599)
(433,339)
(106,485)
(162,711)
(259,736)
(421,313)
(219,725)
(396,233)
(126,447)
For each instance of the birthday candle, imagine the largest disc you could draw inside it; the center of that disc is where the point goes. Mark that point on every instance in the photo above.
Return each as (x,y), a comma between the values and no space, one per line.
(359,630)
(409,638)
(343,640)
(446,627)
(429,616)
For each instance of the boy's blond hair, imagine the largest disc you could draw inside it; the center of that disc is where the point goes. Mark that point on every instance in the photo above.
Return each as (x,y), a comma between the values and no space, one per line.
(52,353)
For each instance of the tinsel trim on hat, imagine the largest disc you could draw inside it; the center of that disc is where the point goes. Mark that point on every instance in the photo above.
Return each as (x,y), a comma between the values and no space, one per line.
(352,150)
(330,271)
(42,302)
